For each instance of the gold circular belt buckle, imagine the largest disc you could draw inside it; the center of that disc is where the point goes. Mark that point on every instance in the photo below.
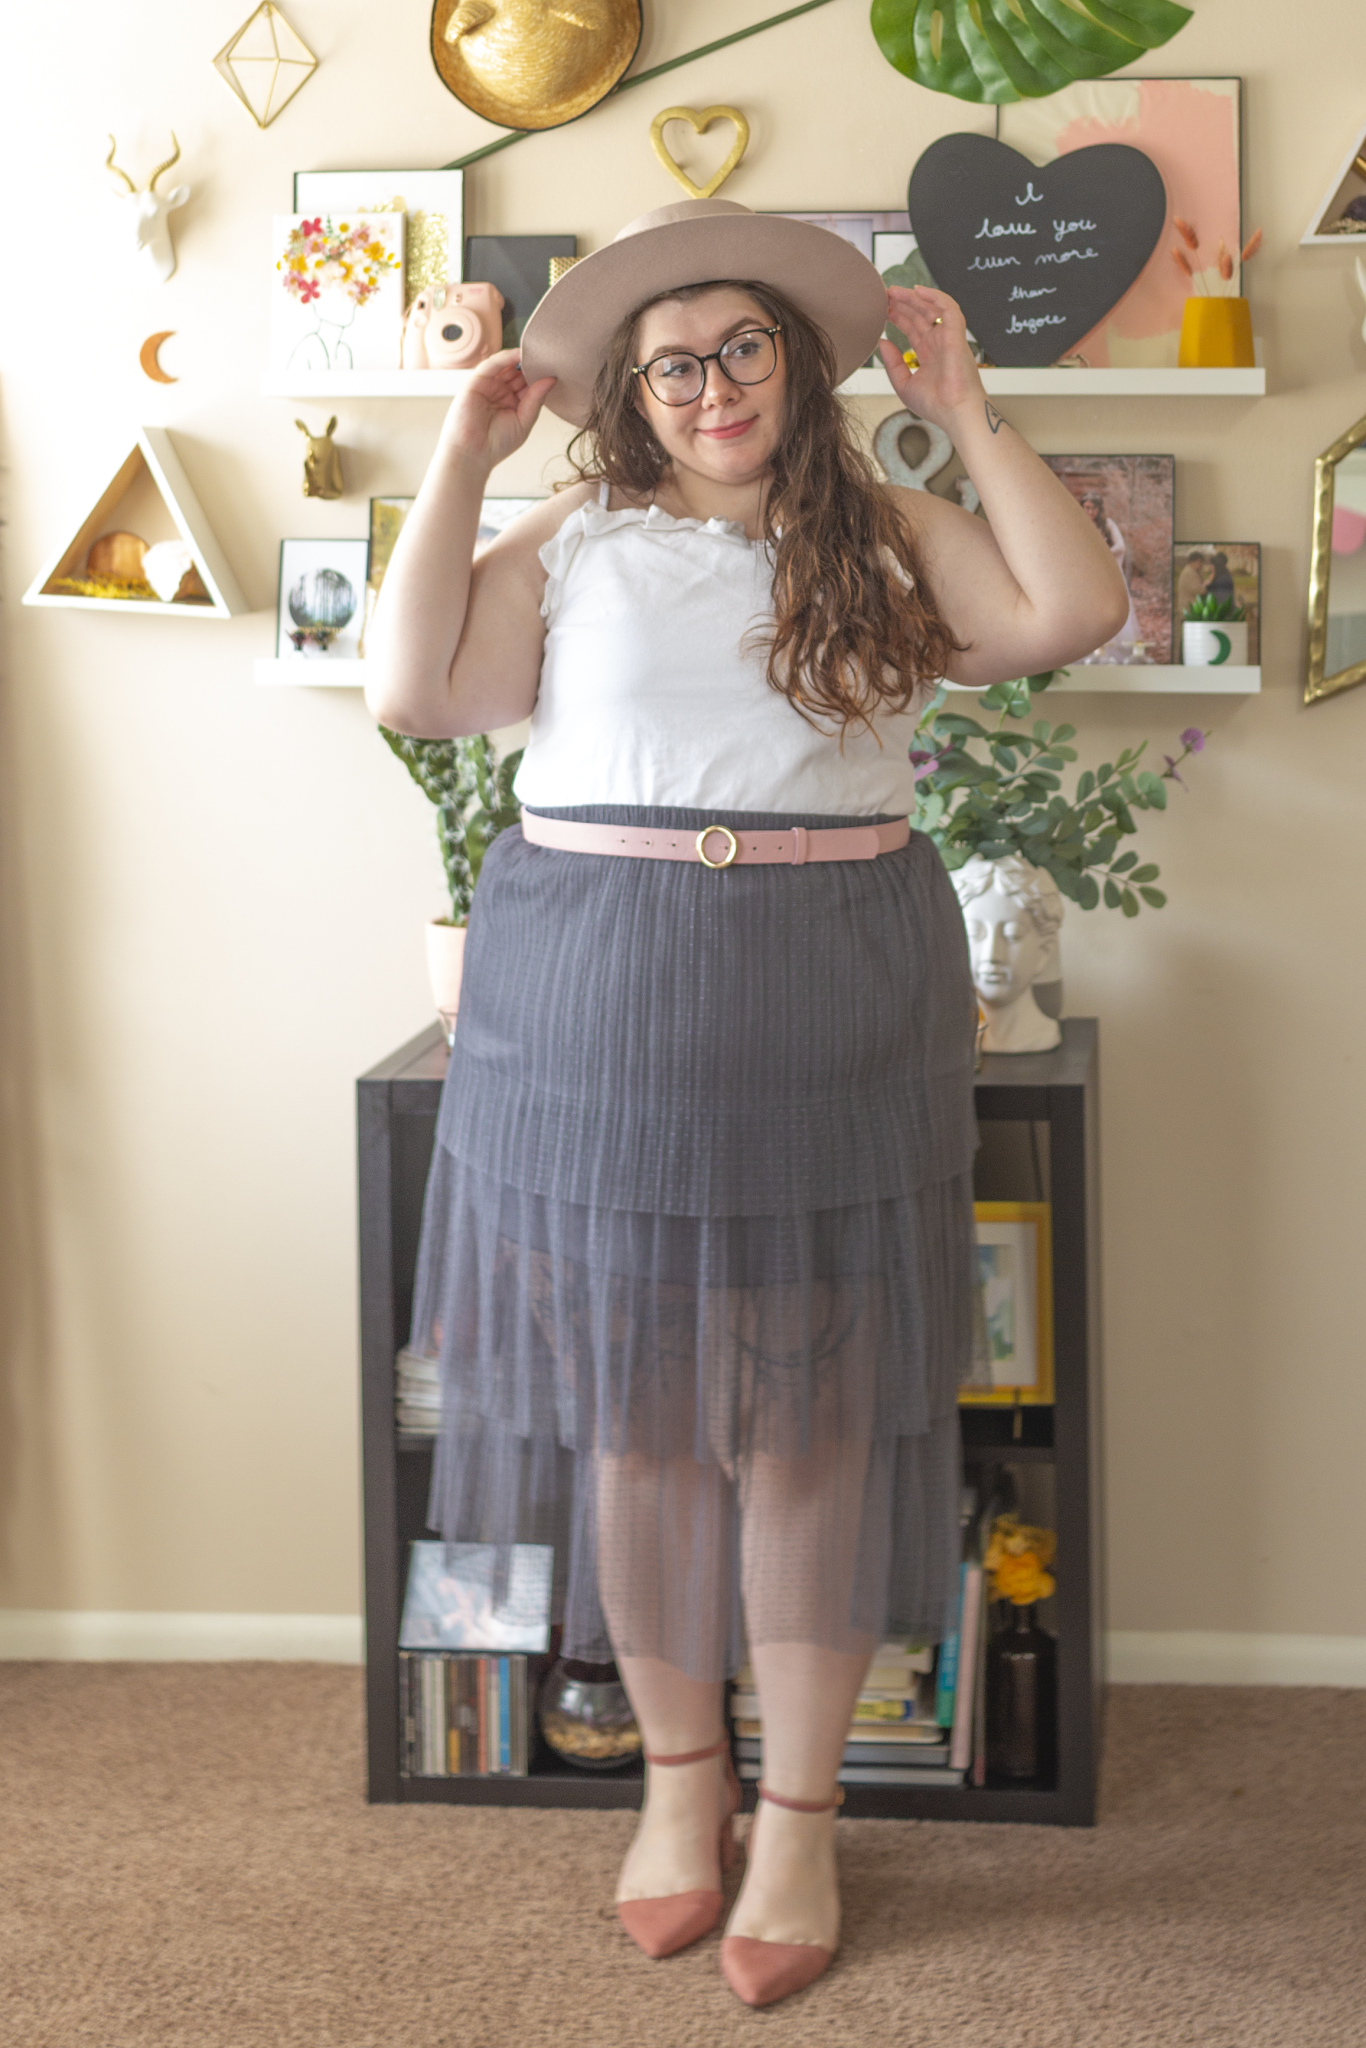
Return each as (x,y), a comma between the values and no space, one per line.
(705,834)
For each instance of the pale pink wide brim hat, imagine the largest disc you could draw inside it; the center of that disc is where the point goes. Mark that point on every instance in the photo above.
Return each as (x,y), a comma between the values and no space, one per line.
(694,242)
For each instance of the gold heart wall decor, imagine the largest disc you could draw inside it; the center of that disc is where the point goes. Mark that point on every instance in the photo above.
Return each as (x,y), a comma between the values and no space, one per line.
(699,124)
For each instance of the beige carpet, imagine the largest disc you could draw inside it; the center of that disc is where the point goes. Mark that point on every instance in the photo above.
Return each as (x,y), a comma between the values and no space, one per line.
(186,1858)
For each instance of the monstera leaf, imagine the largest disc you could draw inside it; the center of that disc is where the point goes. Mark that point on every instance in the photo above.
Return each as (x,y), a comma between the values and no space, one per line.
(996,50)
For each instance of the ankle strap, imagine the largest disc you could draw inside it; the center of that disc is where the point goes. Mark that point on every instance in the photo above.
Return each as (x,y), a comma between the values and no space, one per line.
(691,1756)
(804,1805)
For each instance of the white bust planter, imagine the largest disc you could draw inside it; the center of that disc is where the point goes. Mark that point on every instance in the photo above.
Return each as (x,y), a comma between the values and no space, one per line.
(1012,912)
(1211,643)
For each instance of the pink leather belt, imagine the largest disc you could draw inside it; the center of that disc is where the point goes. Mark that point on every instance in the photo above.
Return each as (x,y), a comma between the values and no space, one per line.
(717,846)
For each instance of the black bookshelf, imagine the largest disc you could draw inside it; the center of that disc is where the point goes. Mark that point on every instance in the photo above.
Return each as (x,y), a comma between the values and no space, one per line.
(1038,1117)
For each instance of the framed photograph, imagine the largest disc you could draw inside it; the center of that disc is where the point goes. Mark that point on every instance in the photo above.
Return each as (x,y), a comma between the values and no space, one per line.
(858,228)
(519,267)
(337,291)
(1192,130)
(1220,568)
(322,599)
(1129,500)
(432,203)
(1012,1349)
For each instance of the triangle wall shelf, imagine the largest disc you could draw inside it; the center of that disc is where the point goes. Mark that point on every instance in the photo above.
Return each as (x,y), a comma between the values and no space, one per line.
(150,470)
(1349,184)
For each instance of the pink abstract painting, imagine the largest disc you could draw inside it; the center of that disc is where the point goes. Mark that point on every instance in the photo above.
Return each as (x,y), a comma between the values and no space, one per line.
(1190,127)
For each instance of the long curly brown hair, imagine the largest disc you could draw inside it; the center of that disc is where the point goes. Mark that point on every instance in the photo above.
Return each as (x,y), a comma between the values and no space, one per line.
(856,628)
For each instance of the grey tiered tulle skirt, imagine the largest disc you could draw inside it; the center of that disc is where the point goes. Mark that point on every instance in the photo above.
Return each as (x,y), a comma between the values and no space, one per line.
(696,1252)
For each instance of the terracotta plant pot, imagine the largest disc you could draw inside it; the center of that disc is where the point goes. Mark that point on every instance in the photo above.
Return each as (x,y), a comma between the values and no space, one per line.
(1216,334)
(1212,643)
(445,965)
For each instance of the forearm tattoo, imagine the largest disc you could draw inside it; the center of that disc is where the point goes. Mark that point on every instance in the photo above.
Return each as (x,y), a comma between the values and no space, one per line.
(994,420)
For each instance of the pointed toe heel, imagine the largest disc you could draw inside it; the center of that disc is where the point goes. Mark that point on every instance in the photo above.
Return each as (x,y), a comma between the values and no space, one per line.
(660,1927)
(762,1972)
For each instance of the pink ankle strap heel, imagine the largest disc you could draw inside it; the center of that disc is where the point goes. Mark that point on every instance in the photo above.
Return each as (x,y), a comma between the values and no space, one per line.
(762,1972)
(661,1927)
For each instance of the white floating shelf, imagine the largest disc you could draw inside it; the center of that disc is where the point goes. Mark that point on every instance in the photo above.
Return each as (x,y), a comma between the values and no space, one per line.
(363,383)
(1130,383)
(1192,682)
(307,674)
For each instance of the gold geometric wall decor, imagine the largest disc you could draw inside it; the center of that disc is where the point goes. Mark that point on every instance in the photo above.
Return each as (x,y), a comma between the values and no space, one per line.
(148,491)
(265,63)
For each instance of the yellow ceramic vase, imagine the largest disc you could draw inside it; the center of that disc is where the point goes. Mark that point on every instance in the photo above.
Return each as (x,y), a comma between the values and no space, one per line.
(1216,334)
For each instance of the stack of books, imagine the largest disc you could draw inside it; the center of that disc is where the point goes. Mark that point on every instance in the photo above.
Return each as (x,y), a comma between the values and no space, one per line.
(897,1736)
(417,1393)
(474,1644)
(465,1716)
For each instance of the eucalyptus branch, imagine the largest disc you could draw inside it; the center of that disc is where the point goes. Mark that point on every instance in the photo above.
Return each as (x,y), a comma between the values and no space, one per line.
(1007,797)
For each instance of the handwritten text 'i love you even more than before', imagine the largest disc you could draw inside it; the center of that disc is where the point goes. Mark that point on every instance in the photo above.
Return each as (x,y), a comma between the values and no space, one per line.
(1065,247)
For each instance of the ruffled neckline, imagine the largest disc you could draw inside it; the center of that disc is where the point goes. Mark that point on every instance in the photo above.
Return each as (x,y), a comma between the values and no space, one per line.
(597,519)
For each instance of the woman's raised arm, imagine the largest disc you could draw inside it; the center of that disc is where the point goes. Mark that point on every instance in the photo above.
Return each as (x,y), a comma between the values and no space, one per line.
(456,648)
(1034,587)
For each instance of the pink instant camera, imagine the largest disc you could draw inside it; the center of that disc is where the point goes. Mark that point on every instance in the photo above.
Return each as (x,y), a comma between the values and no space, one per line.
(452,327)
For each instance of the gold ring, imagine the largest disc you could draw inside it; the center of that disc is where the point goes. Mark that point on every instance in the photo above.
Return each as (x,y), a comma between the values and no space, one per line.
(705,834)
(938,320)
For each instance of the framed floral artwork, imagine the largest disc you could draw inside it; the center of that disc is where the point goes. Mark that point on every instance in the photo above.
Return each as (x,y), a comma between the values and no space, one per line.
(432,203)
(337,291)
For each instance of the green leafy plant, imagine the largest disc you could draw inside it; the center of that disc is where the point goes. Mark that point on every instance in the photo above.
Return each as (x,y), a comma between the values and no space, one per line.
(999,50)
(472,791)
(1205,608)
(997,790)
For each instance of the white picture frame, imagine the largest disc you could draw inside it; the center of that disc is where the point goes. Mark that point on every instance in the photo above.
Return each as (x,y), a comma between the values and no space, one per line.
(336,300)
(313,602)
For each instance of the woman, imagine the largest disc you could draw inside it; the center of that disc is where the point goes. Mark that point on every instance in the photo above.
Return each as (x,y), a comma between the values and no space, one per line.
(1093,505)
(697,1244)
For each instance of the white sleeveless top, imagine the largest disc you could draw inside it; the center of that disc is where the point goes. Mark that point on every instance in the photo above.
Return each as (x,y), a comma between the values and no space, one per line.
(648,695)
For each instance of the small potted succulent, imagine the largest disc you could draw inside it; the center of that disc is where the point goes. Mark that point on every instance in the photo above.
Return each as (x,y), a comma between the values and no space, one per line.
(472,791)
(1213,631)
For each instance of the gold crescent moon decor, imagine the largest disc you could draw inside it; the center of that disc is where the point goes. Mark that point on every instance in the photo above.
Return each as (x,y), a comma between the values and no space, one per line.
(147,356)
(700,124)
(530,64)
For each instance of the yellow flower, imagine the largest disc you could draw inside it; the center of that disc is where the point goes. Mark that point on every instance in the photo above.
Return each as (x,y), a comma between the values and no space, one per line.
(1020,1580)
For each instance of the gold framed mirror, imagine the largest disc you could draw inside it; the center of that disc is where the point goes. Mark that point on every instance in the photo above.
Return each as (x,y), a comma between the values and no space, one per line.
(1337,569)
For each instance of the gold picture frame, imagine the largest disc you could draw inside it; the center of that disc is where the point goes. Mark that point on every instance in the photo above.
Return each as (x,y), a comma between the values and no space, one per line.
(1318,685)
(1015,1227)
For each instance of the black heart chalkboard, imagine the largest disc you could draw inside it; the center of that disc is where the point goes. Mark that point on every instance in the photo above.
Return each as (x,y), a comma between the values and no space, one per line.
(1034,256)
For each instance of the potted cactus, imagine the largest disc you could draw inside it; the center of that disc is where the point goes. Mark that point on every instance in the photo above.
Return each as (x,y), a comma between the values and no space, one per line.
(472,791)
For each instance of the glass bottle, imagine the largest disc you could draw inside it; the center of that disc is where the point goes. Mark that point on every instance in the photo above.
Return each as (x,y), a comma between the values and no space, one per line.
(1022,1698)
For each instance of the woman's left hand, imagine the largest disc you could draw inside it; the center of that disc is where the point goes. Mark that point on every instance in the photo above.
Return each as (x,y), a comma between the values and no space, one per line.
(947,377)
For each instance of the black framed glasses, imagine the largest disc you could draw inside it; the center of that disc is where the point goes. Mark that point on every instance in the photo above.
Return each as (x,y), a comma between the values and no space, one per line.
(678,377)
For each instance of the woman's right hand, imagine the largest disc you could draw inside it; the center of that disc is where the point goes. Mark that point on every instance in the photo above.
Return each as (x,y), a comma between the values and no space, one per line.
(495,410)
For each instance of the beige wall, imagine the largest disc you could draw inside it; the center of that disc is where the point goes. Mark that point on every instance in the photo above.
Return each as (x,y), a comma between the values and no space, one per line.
(213,894)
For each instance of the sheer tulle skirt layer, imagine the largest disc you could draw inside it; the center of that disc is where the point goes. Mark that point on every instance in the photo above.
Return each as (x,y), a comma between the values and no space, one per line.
(727,1400)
